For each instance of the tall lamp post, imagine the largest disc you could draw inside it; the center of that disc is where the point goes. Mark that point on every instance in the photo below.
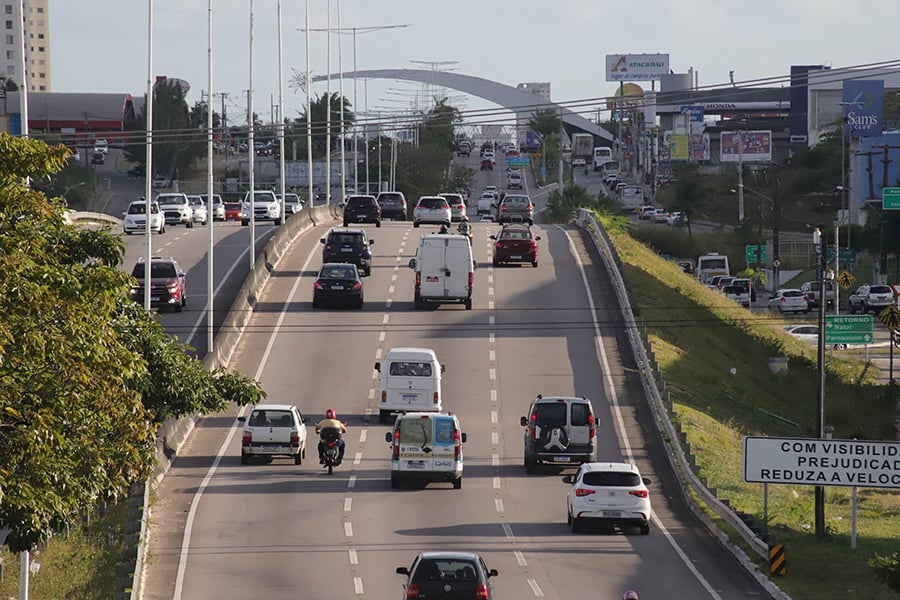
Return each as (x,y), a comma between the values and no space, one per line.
(776,258)
(823,274)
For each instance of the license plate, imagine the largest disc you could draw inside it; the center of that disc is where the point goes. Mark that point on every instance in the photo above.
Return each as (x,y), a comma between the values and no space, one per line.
(347,249)
(154,298)
(271,448)
(337,287)
(516,256)
(611,514)
(560,459)
(431,279)
(415,465)
(410,397)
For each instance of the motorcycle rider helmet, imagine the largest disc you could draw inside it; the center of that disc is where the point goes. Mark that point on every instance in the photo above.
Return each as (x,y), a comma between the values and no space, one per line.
(330,414)
(630,595)
(464,218)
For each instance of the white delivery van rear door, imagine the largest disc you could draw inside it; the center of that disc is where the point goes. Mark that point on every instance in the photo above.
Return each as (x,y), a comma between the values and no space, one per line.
(458,260)
(431,263)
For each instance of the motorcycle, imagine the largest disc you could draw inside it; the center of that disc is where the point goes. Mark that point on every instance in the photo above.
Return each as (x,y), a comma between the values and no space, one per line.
(332,451)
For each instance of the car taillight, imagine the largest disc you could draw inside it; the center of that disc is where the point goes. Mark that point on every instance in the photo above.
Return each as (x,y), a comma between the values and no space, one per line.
(418,279)
(412,590)
(502,207)
(534,245)
(295,438)
(357,286)
(639,493)
(331,444)
(247,438)
(328,247)
(593,427)
(498,245)
(580,492)
(435,397)
(481,593)
(531,428)
(384,396)
(457,450)
(395,452)
(471,280)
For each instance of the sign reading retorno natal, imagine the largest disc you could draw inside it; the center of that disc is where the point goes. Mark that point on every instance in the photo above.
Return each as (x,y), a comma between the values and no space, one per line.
(636,67)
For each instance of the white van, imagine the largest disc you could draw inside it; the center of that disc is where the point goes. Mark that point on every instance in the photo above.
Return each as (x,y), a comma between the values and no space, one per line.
(426,447)
(444,270)
(410,381)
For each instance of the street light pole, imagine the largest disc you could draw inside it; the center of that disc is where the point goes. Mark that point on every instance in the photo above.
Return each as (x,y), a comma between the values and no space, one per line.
(819,243)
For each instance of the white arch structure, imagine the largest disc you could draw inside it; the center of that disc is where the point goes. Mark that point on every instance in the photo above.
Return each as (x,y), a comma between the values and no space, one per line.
(504,95)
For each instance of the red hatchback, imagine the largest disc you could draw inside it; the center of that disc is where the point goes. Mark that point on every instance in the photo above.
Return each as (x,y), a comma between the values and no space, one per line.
(515,243)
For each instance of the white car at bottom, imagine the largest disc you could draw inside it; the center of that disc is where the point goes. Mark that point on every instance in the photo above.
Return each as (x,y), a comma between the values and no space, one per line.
(608,493)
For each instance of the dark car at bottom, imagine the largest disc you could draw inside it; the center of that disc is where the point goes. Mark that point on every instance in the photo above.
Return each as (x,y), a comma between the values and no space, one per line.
(338,283)
(448,576)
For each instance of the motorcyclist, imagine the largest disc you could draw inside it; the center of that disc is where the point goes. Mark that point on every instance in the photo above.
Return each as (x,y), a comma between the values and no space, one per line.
(630,595)
(464,227)
(329,427)
(444,229)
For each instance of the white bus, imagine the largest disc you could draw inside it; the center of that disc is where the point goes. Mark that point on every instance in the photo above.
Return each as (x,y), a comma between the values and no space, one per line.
(602,154)
(710,265)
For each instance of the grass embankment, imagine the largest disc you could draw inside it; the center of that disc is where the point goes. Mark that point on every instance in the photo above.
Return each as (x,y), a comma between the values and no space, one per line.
(698,337)
(80,565)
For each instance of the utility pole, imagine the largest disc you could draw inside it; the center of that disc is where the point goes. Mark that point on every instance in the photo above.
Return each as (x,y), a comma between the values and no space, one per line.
(869,170)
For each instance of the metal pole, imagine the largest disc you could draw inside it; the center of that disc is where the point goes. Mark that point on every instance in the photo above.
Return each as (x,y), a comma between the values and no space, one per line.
(820,395)
(251,151)
(328,107)
(24,574)
(209,183)
(148,176)
(741,179)
(355,112)
(341,93)
(309,156)
(280,127)
(837,267)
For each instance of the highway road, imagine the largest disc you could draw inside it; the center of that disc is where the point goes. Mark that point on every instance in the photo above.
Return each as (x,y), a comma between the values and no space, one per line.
(220,529)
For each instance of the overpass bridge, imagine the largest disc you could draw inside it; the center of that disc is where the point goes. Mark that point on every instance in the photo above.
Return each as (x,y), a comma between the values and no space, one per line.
(507,96)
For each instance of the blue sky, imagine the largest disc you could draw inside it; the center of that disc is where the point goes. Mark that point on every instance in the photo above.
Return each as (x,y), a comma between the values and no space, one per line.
(102,45)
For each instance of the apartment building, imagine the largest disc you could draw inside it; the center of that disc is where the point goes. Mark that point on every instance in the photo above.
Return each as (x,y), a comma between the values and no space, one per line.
(37,32)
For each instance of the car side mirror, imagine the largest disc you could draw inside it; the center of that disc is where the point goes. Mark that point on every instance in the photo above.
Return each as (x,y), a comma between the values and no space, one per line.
(647,481)
(493,573)
(378,367)
(443,369)
(412,263)
(371,242)
(568,479)
(537,238)
(493,237)
(402,571)
(388,437)
(462,436)
(322,240)
(125,214)
(523,422)
(242,419)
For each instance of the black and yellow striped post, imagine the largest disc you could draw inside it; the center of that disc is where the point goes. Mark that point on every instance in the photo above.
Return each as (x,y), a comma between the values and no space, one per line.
(777,561)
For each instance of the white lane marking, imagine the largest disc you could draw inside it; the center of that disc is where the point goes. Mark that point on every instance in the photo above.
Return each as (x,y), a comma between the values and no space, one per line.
(394,276)
(387,303)
(362,436)
(491,278)
(493,396)
(357,458)
(491,304)
(498,504)
(496,483)
(348,529)
(371,394)
(492,356)
(495,438)
(491,291)
(351,482)
(348,503)
(536,588)
(368,411)
(620,421)
(358,586)
(491,338)
(520,558)
(385,319)
(491,322)
(493,416)
(507,530)
(354,559)
(195,501)
(495,460)
(391,290)
(493,374)
(378,355)
(381,337)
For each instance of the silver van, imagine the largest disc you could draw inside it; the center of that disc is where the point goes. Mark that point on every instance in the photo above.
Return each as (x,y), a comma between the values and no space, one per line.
(559,430)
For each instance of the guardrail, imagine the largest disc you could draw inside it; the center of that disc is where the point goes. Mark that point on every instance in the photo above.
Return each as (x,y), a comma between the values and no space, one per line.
(678,460)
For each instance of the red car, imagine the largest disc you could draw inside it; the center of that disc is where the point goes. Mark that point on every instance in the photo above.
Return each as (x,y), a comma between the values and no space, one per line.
(233,211)
(515,243)
(487,164)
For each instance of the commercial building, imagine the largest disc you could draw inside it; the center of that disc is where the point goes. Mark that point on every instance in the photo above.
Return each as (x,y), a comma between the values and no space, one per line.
(37,44)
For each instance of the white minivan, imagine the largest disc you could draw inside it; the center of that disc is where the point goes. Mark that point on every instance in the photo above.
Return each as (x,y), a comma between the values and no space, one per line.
(444,270)
(426,447)
(410,381)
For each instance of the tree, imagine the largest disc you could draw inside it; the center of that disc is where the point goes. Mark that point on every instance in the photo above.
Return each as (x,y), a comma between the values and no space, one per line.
(319,110)
(887,569)
(437,126)
(572,198)
(85,375)
(545,121)
(689,196)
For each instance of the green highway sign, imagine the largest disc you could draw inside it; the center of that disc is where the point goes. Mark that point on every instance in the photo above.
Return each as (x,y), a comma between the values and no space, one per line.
(755,253)
(890,198)
(849,329)
(846,256)
(517,161)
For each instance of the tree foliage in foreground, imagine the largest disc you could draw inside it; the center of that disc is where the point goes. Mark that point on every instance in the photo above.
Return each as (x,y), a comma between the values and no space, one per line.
(85,375)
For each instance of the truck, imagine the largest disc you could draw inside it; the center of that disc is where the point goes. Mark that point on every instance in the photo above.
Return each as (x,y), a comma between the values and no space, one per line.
(711,264)
(532,141)
(582,146)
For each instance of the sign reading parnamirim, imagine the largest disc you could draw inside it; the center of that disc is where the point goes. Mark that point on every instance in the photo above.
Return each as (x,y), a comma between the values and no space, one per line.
(808,461)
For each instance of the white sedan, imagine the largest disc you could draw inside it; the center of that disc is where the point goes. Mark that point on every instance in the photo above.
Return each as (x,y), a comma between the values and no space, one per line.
(789,300)
(273,430)
(612,493)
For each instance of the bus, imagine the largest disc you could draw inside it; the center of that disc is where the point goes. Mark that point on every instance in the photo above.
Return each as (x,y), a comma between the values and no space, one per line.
(602,154)
(711,264)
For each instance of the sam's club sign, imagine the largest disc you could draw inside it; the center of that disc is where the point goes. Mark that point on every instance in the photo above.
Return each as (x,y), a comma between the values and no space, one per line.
(863,107)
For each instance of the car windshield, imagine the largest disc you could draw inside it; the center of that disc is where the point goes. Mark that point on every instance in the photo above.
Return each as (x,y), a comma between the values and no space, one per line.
(411,369)
(271,418)
(611,479)
(233,205)
(338,272)
(196,201)
(137,209)
(157,270)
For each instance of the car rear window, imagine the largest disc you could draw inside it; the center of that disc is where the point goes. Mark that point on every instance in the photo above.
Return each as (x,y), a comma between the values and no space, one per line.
(581,413)
(734,289)
(157,270)
(416,432)
(880,289)
(383,197)
(339,272)
(611,479)
(550,415)
(360,201)
(346,238)
(445,570)
(271,418)
(793,294)
(434,203)
(411,369)
(519,234)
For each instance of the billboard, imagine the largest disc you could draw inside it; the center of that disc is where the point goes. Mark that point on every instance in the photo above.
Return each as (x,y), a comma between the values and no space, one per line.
(698,147)
(636,67)
(746,146)
(678,148)
(863,107)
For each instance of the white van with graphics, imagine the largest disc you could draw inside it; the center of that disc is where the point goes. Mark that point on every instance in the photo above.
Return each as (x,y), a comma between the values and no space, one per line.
(444,270)
(410,381)
(426,447)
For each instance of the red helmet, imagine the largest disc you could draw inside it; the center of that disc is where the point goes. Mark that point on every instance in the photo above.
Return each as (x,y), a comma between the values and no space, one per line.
(330,414)
(630,595)
(464,218)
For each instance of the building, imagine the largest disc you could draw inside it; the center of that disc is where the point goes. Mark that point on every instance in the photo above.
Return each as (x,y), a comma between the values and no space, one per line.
(37,31)
(76,117)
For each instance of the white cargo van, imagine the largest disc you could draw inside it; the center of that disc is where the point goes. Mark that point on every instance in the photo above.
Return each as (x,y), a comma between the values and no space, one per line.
(444,270)
(410,381)
(426,447)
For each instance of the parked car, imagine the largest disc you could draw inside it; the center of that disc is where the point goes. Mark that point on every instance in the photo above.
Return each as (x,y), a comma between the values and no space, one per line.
(445,574)
(168,283)
(789,300)
(611,493)
(273,430)
(515,243)
(135,218)
(338,283)
(393,205)
(432,209)
(345,245)
(870,298)
(362,209)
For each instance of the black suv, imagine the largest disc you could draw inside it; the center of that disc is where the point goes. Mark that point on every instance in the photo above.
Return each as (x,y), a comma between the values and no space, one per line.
(344,245)
(362,209)
(393,205)
(168,283)
(559,430)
